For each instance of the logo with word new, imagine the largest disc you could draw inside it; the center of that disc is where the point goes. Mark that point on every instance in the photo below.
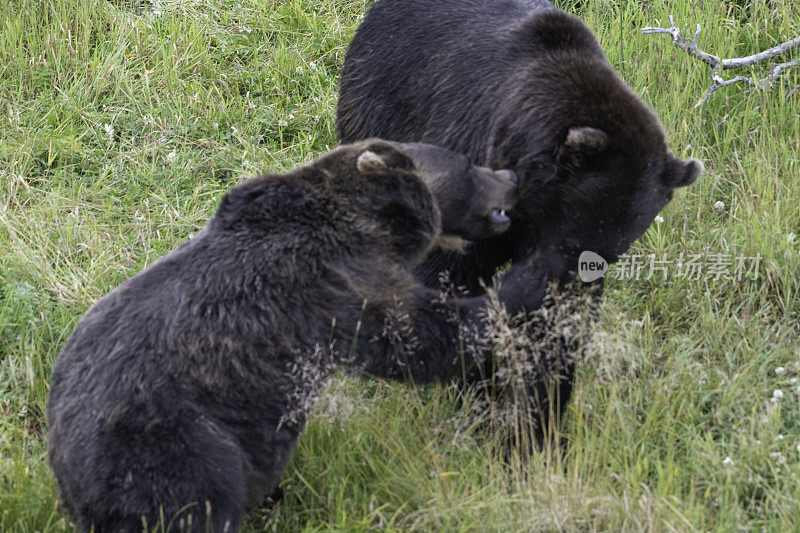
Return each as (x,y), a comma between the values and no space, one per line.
(591,266)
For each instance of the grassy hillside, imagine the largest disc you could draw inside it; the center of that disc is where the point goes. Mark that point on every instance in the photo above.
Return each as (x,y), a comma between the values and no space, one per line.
(122,124)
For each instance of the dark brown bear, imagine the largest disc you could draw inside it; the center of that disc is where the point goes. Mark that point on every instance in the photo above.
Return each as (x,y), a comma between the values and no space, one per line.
(515,84)
(177,395)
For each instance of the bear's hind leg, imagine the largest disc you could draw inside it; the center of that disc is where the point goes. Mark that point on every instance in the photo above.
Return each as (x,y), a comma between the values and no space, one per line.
(180,471)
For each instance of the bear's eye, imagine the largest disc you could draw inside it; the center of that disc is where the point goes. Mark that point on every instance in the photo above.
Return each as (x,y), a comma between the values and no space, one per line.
(538,173)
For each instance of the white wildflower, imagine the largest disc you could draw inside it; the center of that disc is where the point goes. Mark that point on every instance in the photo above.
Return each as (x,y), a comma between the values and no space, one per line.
(779,457)
(659,219)
(779,436)
(157,9)
(777,393)
(719,205)
(313,65)
(792,380)
(109,129)
(171,156)
(299,70)
(791,237)
(798,448)
(282,123)
(780,370)
(727,461)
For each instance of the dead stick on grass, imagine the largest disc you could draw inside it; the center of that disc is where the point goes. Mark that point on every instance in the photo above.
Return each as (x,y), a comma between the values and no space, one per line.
(718,63)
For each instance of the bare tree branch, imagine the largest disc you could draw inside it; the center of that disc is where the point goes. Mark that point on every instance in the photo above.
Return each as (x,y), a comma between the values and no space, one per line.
(717,63)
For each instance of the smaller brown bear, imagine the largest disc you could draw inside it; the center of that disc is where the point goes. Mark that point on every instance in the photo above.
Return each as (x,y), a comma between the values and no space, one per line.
(175,398)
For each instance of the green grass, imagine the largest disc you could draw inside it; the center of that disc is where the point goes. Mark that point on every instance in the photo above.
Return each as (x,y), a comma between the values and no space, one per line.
(121,127)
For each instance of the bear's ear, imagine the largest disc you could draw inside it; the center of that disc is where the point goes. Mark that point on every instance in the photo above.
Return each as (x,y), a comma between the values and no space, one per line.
(680,173)
(370,163)
(380,158)
(580,143)
(586,140)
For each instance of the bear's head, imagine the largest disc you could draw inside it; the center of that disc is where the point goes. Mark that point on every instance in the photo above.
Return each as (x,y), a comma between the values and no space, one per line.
(593,160)
(599,196)
(473,200)
(421,195)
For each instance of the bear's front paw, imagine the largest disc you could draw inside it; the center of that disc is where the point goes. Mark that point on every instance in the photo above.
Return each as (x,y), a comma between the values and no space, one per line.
(523,287)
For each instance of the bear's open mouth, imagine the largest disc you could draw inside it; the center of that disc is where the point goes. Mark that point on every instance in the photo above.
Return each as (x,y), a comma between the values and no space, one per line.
(499,220)
(498,216)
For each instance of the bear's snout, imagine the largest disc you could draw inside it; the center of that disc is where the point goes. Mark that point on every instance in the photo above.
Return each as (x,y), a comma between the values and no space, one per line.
(510,175)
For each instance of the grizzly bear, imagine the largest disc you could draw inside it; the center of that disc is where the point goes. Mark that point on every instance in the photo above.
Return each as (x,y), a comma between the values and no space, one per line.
(176,398)
(515,84)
